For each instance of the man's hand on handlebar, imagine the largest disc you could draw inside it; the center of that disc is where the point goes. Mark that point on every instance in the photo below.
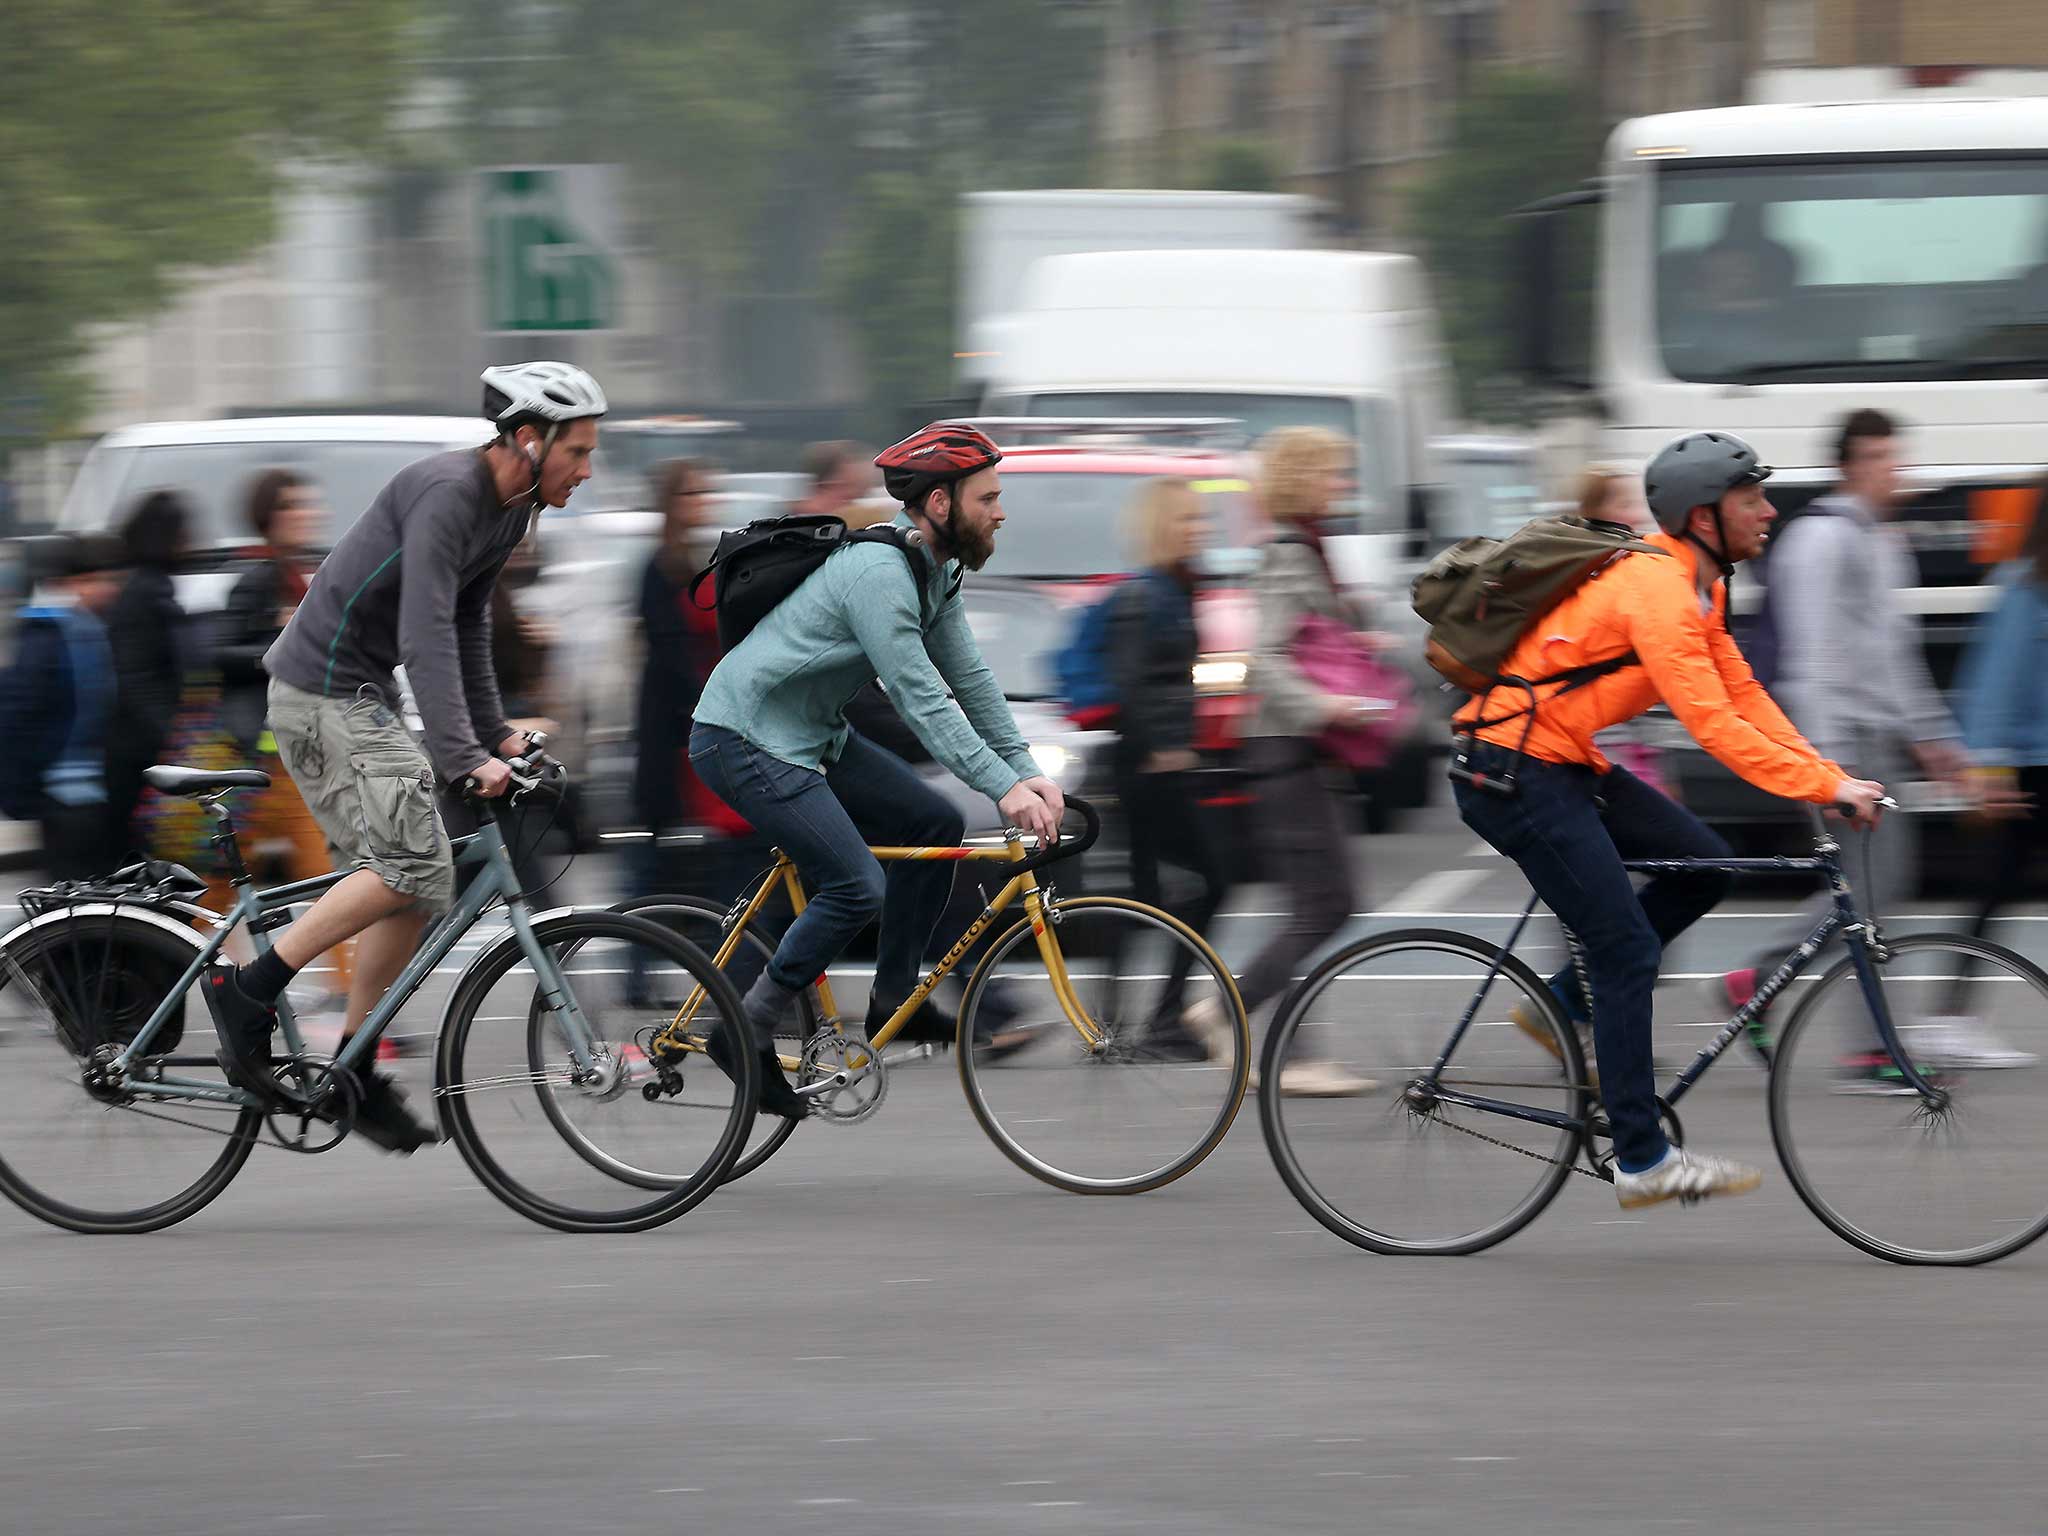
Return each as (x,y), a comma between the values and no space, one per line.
(1029,811)
(1859,802)
(1049,792)
(490,780)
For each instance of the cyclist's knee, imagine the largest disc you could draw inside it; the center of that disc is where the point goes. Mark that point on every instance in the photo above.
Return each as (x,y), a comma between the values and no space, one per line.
(937,823)
(859,890)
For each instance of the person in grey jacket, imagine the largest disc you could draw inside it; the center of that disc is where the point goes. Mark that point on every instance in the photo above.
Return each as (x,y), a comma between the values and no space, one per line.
(1305,841)
(409,583)
(1852,675)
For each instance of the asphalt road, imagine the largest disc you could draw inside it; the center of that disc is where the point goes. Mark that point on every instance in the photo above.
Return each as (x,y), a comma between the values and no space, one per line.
(891,1329)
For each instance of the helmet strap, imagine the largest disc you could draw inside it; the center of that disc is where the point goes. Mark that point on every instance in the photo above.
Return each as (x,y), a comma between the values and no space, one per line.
(1718,556)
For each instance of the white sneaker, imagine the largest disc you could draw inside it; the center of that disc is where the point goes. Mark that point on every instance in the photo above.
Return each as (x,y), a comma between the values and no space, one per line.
(1205,1021)
(1960,1042)
(1321,1080)
(1684,1175)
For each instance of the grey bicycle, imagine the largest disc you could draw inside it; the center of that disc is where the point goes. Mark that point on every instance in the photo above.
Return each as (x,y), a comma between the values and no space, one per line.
(115,1117)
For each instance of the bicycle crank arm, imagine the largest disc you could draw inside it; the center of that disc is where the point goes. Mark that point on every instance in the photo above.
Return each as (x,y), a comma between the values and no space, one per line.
(824,1085)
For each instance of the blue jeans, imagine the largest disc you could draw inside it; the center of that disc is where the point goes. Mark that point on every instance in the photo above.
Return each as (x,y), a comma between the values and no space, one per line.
(824,821)
(1569,829)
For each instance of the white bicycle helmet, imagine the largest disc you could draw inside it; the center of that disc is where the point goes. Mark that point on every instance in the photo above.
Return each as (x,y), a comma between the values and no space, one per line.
(555,392)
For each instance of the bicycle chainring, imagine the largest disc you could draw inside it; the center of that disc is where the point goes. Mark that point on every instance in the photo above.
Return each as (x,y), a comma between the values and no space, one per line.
(828,1053)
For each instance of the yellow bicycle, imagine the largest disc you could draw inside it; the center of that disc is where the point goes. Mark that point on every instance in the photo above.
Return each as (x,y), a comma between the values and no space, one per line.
(1098,1099)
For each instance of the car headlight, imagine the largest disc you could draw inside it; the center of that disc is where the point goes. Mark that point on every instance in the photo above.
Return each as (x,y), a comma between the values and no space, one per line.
(1221,674)
(1052,759)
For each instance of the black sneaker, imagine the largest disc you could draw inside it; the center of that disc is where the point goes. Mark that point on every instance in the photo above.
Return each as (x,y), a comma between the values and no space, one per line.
(244,1027)
(385,1121)
(930,1025)
(775,1097)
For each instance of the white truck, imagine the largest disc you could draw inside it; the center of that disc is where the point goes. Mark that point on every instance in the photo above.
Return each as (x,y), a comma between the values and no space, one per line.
(1003,233)
(1769,268)
(1346,340)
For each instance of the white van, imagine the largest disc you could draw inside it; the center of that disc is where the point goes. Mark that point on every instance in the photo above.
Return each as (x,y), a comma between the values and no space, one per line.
(1339,339)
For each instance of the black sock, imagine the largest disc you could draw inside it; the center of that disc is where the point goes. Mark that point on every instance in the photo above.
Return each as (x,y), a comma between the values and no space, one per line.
(266,977)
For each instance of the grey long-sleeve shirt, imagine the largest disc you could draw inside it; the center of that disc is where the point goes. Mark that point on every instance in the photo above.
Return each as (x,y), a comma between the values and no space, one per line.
(411,583)
(1849,656)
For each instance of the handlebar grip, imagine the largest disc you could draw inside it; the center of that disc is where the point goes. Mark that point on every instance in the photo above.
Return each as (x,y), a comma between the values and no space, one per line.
(1066,847)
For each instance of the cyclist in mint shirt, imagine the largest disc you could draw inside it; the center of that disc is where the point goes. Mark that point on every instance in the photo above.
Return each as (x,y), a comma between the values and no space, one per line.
(771,737)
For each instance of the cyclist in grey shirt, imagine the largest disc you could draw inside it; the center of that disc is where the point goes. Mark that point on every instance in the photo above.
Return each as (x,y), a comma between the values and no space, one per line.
(409,584)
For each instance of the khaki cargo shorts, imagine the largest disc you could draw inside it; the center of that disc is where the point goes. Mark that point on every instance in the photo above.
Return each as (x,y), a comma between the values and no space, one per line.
(370,788)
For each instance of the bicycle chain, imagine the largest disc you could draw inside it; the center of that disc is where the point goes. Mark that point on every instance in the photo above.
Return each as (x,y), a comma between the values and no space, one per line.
(1574,1165)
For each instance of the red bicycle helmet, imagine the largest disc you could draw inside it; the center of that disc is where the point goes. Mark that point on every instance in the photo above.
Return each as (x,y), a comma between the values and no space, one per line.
(935,455)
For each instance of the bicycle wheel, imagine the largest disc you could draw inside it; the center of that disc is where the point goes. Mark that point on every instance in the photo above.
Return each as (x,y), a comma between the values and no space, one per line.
(1397,1169)
(1120,1115)
(1959,1179)
(703,924)
(579,1152)
(108,1158)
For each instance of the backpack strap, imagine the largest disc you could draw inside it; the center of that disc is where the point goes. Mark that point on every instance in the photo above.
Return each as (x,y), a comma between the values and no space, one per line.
(912,547)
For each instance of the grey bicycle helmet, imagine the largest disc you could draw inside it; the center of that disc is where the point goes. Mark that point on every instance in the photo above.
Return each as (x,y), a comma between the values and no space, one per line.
(1697,471)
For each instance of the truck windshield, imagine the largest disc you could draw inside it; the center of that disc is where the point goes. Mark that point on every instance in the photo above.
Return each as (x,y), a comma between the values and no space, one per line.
(1879,270)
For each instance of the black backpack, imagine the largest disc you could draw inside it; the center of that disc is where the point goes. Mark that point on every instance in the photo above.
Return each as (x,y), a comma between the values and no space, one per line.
(755,567)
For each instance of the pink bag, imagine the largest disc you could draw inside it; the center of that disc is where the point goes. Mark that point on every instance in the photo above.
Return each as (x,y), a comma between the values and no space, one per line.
(1337,661)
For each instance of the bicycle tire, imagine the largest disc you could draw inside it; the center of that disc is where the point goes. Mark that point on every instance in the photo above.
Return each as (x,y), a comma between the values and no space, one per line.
(567,931)
(778,1129)
(1039,1166)
(1288,1160)
(33,947)
(1933,1133)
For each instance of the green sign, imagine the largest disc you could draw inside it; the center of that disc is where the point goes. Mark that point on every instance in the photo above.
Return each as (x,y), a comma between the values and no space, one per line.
(545,257)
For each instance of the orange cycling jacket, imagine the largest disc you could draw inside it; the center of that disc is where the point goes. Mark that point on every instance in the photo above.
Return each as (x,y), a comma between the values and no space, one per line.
(1650,605)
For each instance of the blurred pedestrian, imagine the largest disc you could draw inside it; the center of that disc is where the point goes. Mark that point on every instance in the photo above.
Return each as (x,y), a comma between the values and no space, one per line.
(57,702)
(2003,689)
(840,474)
(1151,655)
(146,629)
(1850,671)
(287,516)
(1303,824)
(680,647)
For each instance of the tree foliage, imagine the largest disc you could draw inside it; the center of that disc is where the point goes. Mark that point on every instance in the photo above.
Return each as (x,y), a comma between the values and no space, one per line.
(809,150)
(138,137)
(1517,137)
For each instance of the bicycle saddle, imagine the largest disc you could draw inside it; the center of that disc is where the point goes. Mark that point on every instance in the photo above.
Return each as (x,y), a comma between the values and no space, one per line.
(173,780)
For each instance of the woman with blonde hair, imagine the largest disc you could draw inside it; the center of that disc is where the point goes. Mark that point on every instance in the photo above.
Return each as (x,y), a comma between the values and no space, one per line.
(1151,660)
(1302,822)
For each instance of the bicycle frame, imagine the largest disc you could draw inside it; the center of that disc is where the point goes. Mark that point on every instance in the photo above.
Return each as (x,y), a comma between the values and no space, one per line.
(1861,938)
(263,910)
(782,875)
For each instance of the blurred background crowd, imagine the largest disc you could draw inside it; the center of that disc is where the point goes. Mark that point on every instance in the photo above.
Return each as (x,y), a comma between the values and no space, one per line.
(1397,272)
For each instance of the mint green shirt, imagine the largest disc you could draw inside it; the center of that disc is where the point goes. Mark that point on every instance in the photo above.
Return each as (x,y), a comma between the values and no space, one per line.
(858,617)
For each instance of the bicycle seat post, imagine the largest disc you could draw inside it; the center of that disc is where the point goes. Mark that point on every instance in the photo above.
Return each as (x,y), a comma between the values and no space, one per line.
(223,839)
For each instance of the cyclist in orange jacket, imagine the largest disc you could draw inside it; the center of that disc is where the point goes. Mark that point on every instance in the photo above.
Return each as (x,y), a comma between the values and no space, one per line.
(1531,782)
